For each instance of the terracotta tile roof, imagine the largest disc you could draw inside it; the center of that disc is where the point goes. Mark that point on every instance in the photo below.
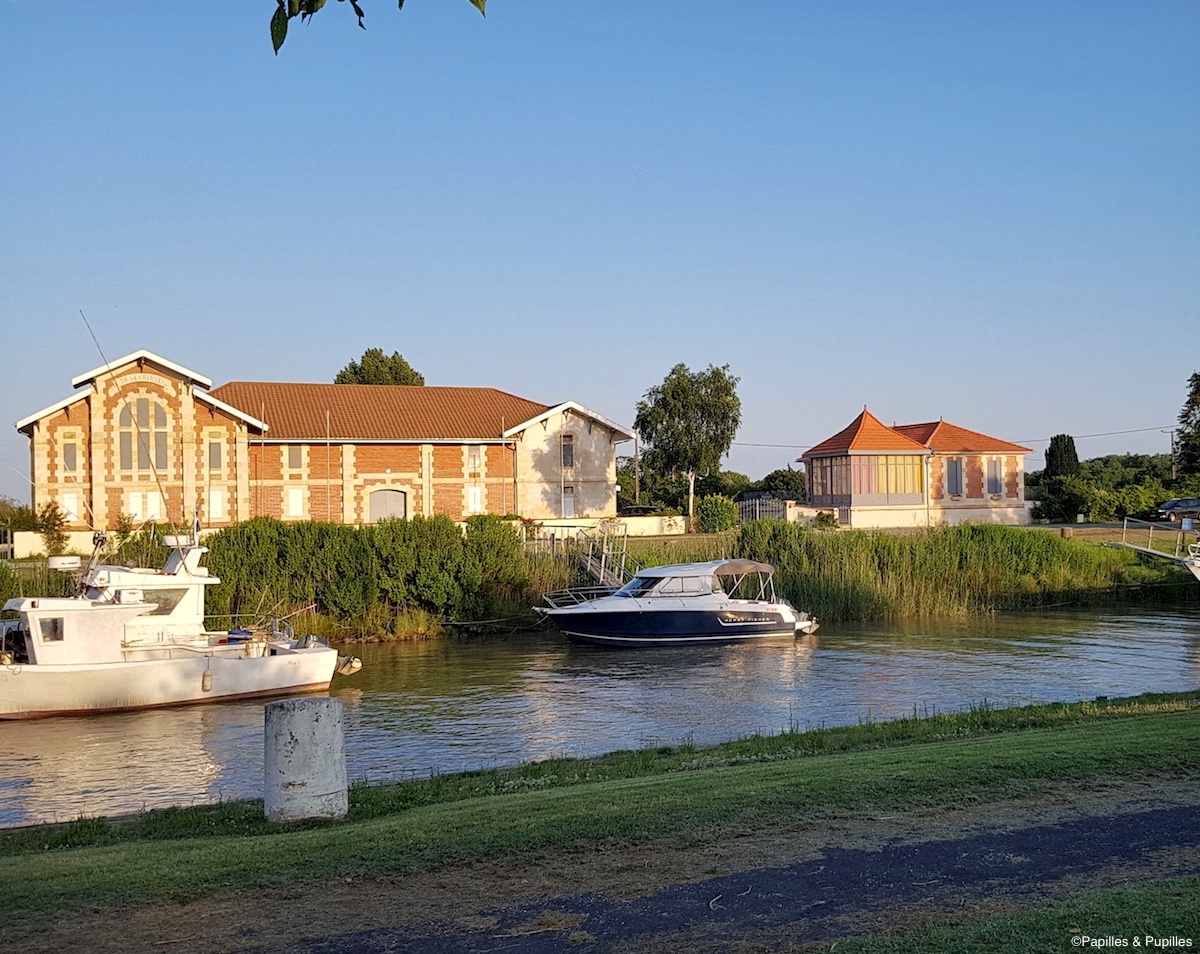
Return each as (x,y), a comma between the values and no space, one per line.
(942,437)
(865,433)
(369,412)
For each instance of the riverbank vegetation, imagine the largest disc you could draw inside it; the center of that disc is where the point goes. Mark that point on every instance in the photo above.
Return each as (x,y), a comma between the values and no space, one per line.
(926,763)
(427,576)
(941,572)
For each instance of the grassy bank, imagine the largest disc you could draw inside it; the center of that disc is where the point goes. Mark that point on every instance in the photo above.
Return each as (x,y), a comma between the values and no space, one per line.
(933,763)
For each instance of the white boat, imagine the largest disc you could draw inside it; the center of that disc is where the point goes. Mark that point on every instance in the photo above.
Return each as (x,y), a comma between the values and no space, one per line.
(133,638)
(722,601)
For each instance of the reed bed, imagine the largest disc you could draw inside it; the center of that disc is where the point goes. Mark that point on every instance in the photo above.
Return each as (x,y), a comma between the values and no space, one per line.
(947,572)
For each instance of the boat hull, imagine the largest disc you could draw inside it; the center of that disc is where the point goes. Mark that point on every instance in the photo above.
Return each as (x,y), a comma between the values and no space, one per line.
(673,627)
(40,691)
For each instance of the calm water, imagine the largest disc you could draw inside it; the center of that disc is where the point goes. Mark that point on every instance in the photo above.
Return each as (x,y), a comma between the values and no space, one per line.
(452,705)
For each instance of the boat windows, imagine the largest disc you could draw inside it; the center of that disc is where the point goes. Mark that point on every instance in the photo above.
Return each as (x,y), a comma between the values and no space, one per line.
(164,601)
(51,629)
(652,586)
(638,586)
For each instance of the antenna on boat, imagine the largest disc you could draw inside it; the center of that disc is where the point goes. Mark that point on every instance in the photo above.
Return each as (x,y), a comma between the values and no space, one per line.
(136,428)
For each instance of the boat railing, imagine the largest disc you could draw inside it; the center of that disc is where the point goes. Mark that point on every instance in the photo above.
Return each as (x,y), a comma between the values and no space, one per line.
(576,595)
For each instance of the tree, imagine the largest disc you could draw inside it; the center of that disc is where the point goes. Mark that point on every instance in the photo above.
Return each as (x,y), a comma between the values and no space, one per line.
(1187,438)
(1061,458)
(688,422)
(785,483)
(376,368)
(287,9)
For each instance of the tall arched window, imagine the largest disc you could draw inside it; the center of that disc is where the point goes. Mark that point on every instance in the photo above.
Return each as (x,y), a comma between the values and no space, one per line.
(142,425)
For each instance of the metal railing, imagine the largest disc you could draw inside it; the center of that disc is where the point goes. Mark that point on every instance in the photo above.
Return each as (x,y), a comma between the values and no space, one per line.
(1172,535)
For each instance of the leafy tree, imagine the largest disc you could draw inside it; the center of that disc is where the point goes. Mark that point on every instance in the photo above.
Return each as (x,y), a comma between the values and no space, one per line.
(723,483)
(716,513)
(1187,438)
(1061,457)
(287,9)
(50,525)
(785,483)
(688,422)
(16,516)
(377,368)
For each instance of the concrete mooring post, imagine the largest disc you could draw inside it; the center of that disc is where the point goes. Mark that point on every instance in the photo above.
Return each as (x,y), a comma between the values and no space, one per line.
(304,764)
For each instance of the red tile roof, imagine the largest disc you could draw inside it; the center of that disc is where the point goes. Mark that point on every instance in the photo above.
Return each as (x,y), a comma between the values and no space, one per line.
(378,412)
(942,437)
(865,433)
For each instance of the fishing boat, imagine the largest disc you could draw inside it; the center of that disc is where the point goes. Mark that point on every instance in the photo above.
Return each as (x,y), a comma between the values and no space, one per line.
(134,638)
(722,601)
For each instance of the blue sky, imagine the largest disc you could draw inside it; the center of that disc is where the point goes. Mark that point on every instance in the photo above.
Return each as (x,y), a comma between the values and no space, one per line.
(983,212)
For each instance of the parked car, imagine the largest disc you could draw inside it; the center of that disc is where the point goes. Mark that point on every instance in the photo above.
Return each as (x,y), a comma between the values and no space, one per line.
(640,510)
(1177,508)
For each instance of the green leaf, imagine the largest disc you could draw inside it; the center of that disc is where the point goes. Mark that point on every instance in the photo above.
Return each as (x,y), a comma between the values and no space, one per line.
(479,5)
(279,27)
(293,8)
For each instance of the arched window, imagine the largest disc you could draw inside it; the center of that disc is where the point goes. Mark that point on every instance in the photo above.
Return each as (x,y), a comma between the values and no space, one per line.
(142,435)
(388,503)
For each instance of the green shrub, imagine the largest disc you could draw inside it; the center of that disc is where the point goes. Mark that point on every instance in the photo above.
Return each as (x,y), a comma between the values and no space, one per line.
(716,513)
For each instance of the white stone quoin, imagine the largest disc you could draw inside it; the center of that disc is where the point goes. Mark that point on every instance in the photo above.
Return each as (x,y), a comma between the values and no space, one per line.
(304,770)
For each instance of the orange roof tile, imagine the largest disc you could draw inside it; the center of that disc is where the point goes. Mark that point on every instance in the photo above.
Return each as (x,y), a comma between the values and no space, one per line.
(865,433)
(378,412)
(943,437)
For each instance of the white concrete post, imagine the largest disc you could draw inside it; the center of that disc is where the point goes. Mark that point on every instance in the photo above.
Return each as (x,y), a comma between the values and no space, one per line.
(304,765)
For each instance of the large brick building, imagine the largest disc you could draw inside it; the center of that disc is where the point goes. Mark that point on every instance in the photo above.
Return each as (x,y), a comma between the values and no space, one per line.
(148,438)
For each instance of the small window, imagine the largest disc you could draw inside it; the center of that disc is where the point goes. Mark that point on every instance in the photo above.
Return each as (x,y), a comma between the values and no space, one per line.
(214,455)
(295,456)
(994,480)
(294,502)
(568,451)
(475,500)
(51,629)
(69,504)
(568,502)
(954,477)
(164,601)
(216,505)
(473,459)
(70,457)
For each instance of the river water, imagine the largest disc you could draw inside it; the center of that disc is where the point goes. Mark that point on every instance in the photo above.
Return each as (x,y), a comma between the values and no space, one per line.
(448,705)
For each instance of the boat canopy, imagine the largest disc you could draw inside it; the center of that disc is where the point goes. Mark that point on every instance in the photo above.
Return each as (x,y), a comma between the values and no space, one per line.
(711,568)
(701,579)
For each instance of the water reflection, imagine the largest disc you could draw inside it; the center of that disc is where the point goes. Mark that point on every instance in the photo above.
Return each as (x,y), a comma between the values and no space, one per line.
(446,706)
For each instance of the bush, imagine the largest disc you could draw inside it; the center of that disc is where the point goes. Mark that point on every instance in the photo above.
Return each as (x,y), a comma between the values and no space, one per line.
(716,513)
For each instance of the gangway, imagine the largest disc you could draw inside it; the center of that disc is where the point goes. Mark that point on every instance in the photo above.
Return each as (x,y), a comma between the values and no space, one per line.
(604,554)
(1181,553)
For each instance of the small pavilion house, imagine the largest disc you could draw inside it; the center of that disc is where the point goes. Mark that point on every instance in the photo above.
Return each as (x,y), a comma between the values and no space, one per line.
(916,475)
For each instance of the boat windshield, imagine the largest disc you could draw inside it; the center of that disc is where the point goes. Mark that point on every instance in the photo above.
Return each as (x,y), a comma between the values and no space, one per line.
(652,586)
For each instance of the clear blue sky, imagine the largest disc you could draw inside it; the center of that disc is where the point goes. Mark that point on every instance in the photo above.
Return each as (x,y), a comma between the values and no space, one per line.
(983,212)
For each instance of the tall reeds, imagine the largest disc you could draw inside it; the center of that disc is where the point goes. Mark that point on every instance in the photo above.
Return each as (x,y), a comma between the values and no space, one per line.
(942,571)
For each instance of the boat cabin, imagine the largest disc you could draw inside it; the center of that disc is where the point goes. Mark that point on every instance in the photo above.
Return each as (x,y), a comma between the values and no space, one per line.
(736,579)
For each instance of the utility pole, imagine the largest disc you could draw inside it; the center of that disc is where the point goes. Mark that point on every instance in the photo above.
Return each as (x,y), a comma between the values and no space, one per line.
(1172,433)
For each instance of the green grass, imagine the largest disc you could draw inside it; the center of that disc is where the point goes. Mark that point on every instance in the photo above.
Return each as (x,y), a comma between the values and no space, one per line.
(632,797)
(1161,910)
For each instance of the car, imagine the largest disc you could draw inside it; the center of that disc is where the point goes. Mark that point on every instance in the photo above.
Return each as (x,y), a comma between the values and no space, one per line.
(640,510)
(1176,509)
